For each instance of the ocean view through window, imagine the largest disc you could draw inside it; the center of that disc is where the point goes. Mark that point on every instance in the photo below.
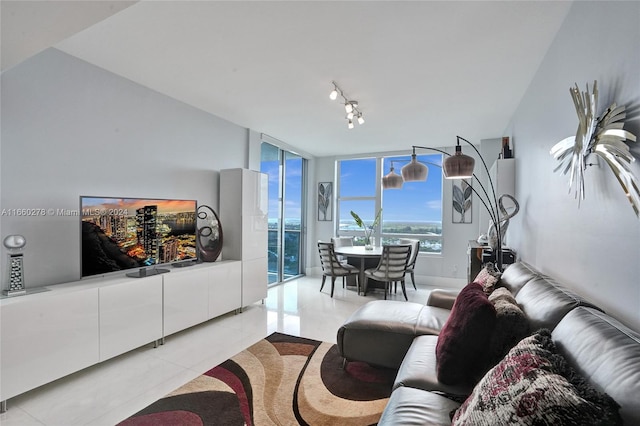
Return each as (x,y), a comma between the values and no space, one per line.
(415,211)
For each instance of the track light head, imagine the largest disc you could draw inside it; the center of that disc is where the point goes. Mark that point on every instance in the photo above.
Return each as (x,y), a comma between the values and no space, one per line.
(333,95)
(350,125)
(360,119)
(348,107)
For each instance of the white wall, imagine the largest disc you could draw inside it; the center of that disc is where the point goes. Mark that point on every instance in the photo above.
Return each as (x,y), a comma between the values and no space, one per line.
(594,249)
(70,129)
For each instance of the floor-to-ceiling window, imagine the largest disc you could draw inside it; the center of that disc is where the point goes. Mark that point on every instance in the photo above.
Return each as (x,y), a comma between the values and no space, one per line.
(286,172)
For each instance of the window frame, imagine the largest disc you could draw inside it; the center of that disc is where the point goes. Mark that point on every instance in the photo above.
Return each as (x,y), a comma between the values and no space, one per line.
(380,236)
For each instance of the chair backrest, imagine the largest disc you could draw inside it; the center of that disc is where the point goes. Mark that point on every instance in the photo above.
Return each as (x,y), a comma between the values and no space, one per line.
(393,262)
(329,261)
(415,249)
(342,241)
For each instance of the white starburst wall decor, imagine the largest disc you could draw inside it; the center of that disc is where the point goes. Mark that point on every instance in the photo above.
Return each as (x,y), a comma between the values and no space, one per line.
(601,136)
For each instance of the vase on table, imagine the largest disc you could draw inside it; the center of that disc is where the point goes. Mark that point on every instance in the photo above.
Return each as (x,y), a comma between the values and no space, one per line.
(369,242)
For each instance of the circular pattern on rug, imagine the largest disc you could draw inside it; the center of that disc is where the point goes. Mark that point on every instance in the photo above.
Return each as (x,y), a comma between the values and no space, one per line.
(357,381)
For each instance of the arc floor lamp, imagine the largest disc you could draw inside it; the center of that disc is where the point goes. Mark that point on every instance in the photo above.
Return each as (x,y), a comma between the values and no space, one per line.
(456,166)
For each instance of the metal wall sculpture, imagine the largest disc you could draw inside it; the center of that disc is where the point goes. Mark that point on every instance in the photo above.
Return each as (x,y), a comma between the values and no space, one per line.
(602,136)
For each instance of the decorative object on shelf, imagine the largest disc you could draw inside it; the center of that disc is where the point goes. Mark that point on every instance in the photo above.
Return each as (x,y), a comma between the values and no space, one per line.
(462,193)
(506,151)
(460,166)
(603,137)
(504,221)
(209,230)
(325,193)
(14,244)
(368,230)
(350,106)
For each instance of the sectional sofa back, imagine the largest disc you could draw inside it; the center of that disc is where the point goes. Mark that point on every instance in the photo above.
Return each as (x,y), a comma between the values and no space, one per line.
(516,275)
(543,300)
(607,353)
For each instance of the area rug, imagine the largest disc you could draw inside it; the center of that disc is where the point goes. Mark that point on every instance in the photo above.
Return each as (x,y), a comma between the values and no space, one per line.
(281,380)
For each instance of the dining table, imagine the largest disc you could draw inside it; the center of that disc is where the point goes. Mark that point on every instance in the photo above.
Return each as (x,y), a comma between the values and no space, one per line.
(360,257)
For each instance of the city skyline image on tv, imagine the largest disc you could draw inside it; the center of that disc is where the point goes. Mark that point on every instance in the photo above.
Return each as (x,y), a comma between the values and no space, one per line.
(126,233)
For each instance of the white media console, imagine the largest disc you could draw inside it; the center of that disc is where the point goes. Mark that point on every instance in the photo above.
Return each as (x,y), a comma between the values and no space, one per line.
(48,335)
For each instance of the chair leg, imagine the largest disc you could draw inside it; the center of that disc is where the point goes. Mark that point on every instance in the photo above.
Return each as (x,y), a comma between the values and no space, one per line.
(324,277)
(413,281)
(386,289)
(404,290)
(333,284)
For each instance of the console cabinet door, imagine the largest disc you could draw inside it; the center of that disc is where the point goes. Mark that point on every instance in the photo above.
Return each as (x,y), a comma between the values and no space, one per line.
(45,337)
(186,299)
(130,315)
(225,288)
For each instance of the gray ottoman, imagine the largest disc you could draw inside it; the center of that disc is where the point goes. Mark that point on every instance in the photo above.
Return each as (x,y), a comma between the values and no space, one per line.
(380,332)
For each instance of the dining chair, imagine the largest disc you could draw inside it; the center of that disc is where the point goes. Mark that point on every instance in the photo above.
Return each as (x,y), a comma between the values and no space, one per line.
(342,242)
(415,249)
(332,267)
(391,268)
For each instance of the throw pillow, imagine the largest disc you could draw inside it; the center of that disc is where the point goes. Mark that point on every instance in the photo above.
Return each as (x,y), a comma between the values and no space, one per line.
(488,278)
(462,354)
(502,293)
(512,325)
(534,385)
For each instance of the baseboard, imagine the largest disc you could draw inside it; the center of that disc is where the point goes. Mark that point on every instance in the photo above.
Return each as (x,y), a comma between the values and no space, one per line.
(421,280)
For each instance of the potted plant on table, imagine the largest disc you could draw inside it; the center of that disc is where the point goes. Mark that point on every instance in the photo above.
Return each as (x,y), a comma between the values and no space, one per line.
(368,230)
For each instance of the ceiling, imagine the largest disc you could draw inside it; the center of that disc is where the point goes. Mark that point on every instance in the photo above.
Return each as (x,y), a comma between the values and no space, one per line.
(422,71)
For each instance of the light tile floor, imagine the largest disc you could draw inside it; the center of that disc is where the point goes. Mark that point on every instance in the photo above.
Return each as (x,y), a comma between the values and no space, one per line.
(109,392)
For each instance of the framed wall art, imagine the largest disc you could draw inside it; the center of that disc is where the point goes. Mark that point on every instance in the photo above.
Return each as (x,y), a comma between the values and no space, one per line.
(325,194)
(462,201)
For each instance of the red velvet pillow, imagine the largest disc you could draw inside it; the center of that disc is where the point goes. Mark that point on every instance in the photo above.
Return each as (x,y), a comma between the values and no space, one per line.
(462,351)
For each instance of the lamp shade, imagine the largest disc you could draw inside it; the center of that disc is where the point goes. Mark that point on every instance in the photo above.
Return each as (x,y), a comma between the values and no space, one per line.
(414,171)
(458,166)
(392,180)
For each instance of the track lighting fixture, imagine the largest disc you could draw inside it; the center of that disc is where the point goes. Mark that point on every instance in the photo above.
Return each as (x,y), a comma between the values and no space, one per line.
(350,106)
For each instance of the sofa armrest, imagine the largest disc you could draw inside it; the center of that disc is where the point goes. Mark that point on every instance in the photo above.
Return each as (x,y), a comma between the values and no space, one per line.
(442,298)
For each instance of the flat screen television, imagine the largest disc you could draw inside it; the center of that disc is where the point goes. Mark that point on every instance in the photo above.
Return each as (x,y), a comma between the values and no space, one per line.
(118,234)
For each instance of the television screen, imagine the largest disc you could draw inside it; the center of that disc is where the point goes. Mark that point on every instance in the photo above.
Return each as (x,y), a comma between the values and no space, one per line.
(126,233)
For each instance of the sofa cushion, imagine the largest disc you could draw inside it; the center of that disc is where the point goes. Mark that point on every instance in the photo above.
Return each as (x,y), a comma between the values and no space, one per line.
(607,352)
(534,384)
(418,369)
(409,406)
(516,275)
(546,302)
(488,278)
(512,324)
(462,350)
